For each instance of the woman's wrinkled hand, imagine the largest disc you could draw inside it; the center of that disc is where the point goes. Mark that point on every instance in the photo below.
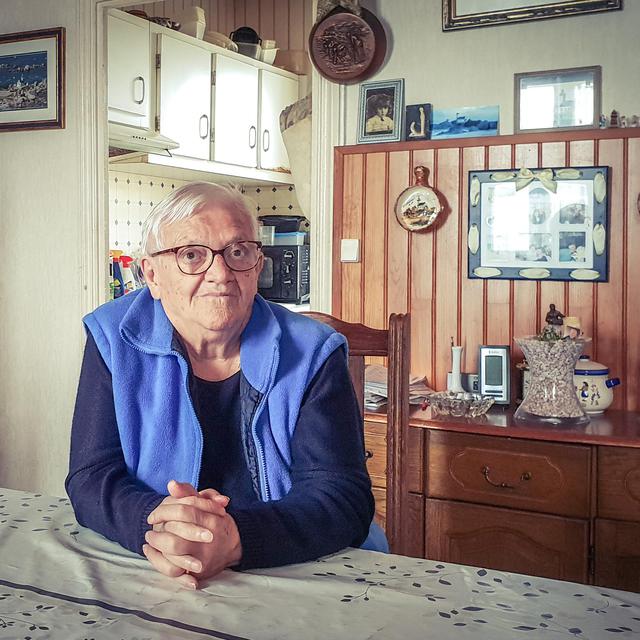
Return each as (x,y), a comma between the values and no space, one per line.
(192,537)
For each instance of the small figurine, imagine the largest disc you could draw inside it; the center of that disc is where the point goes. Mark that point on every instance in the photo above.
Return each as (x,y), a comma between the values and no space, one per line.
(613,120)
(635,121)
(602,121)
(554,317)
(623,121)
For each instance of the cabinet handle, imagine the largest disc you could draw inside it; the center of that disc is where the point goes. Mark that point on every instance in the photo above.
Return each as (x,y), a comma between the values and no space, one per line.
(253,135)
(526,475)
(265,147)
(368,454)
(206,129)
(141,80)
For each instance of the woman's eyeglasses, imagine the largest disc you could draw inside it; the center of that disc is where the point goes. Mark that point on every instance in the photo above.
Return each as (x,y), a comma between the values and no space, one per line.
(193,259)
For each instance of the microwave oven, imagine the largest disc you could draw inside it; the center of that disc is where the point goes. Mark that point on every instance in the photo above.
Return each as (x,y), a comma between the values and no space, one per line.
(285,274)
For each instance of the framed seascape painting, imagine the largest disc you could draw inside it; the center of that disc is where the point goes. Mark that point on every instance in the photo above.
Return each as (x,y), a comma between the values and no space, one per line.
(32,80)
(466,14)
(381,106)
(465,122)
(539,224)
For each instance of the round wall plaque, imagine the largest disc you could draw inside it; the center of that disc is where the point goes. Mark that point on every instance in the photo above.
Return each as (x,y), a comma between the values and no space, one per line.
(418,207)
(347,48)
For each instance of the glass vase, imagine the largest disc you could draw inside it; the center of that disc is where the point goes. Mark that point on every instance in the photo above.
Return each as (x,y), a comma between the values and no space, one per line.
(551,395)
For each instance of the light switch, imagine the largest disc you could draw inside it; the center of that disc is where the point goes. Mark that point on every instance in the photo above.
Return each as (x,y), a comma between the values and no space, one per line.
(350,250)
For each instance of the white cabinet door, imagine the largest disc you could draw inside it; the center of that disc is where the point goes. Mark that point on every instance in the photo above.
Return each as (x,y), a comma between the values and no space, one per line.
(236,112)
(185,96)
(276,93)
(129,63)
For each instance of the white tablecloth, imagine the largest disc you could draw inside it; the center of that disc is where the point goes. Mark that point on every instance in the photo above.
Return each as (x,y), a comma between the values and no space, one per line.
(61,581)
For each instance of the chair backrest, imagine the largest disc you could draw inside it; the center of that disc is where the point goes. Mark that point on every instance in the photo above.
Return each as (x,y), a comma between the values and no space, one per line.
(392,343)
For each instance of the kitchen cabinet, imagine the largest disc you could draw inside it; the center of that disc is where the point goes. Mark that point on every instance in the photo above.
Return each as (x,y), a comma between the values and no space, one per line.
(547,501)
(184,96)
(236,112)
(276,93)
(247,104)
(129,70)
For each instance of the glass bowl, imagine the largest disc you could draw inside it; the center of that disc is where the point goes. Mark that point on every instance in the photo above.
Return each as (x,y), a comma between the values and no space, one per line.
(459,405)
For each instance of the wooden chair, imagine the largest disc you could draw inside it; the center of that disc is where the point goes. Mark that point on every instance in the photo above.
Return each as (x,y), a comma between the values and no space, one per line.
(392,343)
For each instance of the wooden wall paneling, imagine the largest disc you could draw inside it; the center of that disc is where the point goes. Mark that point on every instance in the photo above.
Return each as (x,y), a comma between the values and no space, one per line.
(581,294)
(352,226)
(553,154)
(281,23)
(252,15)
(374,263)
(397,236)
(525,312)
(498,292)
(227,17)
(611,314)
(296,28)
(212,15)
(446,262)
(631,345)
(421,281)
(239,13)
(266,29)
(471,289)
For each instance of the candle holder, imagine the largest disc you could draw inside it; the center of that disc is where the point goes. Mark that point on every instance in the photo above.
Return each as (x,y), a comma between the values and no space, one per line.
(551,395)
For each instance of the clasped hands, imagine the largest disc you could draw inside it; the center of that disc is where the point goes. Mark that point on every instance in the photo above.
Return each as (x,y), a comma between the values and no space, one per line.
(193,537)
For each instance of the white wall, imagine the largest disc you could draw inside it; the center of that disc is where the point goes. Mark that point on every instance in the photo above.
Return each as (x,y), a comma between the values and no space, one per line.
(40,286)
(475,67)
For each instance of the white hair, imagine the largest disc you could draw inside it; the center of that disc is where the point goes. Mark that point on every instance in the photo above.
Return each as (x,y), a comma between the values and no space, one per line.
(188,200)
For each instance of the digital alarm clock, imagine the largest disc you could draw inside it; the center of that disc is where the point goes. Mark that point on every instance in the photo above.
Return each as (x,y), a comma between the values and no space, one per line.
(494,372)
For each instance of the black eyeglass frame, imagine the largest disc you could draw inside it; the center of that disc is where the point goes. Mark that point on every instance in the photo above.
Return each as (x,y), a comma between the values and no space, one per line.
(214,253)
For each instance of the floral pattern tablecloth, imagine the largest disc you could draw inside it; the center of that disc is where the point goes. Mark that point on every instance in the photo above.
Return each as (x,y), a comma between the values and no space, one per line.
(61,581)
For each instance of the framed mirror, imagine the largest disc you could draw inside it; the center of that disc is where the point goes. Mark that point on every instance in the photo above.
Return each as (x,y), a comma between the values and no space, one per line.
(560,100)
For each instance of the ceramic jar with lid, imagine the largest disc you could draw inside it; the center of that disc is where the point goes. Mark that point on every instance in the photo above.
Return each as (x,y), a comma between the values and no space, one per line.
(593,385)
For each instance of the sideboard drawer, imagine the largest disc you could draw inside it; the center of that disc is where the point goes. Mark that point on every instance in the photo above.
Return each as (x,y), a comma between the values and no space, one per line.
(375,444)
(524,474)
(619,483)
(380,496)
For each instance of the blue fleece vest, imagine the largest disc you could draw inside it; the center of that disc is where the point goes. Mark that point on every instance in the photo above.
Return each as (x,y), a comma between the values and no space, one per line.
(161,438)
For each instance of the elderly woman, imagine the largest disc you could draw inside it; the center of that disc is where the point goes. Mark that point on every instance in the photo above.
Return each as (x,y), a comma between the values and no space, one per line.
(243,411)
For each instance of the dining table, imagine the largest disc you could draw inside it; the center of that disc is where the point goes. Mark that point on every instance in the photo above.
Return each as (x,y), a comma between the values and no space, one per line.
(59,580)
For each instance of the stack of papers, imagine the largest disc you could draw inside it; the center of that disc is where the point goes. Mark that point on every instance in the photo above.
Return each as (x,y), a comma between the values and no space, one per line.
(375,387)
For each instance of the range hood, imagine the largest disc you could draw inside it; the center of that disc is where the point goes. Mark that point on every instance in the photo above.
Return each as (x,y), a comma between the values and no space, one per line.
(129,138)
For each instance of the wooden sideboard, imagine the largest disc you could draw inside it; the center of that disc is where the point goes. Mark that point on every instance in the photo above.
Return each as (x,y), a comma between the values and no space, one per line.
(550,501)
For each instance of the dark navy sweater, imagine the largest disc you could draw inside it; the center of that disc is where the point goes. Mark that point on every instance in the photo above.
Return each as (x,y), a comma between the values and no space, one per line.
(329,506)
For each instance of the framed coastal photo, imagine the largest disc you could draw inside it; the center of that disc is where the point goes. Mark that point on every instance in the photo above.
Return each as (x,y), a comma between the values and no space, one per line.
(560,100)
(32,80)
(417,118)
(465,122)
(466,14)
(539,224)
(380,114)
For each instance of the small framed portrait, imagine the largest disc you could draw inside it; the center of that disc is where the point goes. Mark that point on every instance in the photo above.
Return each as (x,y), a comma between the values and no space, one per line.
(417,122)
(381,109)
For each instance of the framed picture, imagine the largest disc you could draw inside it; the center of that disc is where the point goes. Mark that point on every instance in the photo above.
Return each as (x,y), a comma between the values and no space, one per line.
(466,14)
(539,224)
(32,80)
(465,122)
(381,105)
(562,99)
(417,118)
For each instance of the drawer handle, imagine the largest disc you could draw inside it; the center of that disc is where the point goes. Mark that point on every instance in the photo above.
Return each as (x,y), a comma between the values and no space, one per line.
(504,485)
(368,454)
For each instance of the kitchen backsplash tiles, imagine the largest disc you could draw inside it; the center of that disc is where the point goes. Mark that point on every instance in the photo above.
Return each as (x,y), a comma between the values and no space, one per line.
(132,196)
